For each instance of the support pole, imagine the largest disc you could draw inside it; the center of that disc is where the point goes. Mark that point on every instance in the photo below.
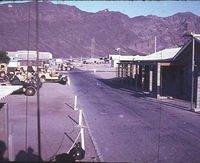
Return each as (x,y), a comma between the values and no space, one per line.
(158,80)
(150,79)
(192,84)
(155,44)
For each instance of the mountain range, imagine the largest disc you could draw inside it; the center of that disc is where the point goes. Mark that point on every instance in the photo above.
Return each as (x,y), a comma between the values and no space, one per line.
(67,31)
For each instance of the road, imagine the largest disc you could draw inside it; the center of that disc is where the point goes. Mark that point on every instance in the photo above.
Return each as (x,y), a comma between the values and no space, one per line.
(128,127)
(54,105)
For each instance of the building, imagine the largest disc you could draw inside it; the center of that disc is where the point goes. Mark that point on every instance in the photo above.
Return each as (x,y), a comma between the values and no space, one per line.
(115,59)
(24,58)
(171,72)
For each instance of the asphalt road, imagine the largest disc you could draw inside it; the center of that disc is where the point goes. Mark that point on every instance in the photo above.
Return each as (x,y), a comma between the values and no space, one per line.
(54,105)
(128,127)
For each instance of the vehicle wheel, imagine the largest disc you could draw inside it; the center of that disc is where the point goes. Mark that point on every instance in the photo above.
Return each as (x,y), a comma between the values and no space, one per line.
(2,74)
(43,79)
(30,91)
(63,80)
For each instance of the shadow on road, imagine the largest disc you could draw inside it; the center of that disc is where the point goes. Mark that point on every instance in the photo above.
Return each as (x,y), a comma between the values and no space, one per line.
(27,156)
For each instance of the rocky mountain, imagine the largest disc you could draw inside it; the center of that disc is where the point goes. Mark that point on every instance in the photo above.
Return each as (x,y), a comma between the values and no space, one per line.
(67,31)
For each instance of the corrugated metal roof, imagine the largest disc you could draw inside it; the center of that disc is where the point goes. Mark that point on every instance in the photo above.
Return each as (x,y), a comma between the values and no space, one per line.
(165,54)
(7,90)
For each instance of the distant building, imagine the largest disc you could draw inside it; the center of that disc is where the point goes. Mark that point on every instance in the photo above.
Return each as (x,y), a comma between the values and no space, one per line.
(166,73)
(115,59)
(24,58)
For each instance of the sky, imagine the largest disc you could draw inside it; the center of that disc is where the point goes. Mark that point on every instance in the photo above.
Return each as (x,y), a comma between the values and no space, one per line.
(135,8)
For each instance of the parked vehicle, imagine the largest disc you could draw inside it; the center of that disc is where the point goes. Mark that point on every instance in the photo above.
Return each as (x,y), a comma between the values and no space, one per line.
(67,66)
(25,79)
(51,75)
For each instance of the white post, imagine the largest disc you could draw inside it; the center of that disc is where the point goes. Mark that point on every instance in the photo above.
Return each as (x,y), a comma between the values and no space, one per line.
(155,44)
(80,122)
(10,145)
(75,102)
(68,81)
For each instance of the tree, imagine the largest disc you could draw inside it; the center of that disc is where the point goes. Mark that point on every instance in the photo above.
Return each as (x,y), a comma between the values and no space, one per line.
(4,58)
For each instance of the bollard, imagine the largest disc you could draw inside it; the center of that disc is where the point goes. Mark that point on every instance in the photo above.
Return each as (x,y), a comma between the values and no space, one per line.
(75,103)
(68,81)
(80,122)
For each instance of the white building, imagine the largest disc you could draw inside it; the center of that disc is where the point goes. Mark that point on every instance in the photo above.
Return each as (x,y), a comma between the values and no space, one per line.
(115,59)
(24,58)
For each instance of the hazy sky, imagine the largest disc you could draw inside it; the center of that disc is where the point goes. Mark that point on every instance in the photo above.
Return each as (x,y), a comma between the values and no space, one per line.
(136,8)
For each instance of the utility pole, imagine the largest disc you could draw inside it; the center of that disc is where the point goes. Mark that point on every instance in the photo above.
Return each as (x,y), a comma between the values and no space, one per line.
(155,44)
(37,78)
(92,47)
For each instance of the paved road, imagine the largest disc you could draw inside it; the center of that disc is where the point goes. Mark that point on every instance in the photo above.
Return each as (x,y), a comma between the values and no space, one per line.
(54,122)
(125,126)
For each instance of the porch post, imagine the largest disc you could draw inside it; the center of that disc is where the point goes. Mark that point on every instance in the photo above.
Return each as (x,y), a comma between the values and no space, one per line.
(158,80)
(197,108)
(150,78)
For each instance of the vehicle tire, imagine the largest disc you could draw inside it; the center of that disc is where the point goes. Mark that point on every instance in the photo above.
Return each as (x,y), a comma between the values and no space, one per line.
(2,74)
(30,91)
(63,80)
(43,79)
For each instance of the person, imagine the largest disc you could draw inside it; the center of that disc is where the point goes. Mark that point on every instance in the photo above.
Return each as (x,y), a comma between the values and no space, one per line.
(2,152)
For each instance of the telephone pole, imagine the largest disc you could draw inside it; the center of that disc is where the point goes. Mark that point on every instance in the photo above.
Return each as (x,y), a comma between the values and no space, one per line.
(93,42)
(155,44)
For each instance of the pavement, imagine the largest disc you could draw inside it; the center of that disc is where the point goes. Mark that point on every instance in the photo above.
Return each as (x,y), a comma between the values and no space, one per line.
(128,127)
(55,105)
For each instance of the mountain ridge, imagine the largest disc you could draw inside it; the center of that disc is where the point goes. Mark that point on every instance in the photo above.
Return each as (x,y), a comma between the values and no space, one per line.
(67,31)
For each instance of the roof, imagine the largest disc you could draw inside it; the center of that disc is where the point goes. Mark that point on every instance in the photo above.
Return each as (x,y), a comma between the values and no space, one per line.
(123,57)
(127,58)
(196,37)
(7,90)
(29,55)
(114,56)
(165,54)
